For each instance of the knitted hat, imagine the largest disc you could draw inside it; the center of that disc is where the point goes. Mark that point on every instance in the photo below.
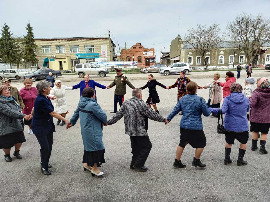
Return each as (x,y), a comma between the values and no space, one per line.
(250,80)
(58,81)
(236,88)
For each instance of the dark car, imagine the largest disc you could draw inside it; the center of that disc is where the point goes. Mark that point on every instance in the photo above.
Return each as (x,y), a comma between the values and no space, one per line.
(42,73)
(267,67)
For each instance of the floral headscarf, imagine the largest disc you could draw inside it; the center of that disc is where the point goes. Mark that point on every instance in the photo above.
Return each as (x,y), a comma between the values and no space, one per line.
(263,83)
(236,88)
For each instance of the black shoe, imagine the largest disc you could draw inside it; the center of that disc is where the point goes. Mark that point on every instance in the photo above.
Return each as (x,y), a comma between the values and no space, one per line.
(227,159)
(62,123)
(262,148)
(141,169)
(131,167)
(197,162)
(17,154)
(240,161)
(254,146)
(8,158)
(45,172)
(49,165)
(58,121)
(178,164)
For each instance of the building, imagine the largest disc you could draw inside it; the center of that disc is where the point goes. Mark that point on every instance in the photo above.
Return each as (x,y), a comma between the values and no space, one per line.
(144,56)
(165,58)
(226,55)
(65,53)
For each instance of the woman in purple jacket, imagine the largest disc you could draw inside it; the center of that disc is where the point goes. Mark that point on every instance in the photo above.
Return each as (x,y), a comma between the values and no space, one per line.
(235,108)
(28,95)
(260,114)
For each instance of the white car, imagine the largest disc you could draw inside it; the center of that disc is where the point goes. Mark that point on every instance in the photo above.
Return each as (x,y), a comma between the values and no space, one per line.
(12,74)
(175,68)
(92,69)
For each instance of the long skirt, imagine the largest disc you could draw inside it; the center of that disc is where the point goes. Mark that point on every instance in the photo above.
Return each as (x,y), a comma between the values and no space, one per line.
(92,157)
(9,140)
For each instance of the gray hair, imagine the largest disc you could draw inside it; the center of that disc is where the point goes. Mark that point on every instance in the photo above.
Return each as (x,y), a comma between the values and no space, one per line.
(136,92)
(41,85)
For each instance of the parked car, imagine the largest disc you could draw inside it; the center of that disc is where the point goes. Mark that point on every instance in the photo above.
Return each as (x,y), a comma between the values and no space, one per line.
(42,74)
(175,68)
(93,69)
(12,74)
(267,67)
(153,69)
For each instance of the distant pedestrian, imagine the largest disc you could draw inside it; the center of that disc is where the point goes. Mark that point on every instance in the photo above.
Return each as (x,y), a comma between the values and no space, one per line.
(50,78)
(11,124)
(92,119)
(60,106)
(235,108)
(229,78)
(250,86)
(120,81)
(249,70)
(135,110)
(13,91)
(153,98)
(87,83)
(260,114)
(181,84)
(191,128)
(28,95)
(238,68)
(42,124)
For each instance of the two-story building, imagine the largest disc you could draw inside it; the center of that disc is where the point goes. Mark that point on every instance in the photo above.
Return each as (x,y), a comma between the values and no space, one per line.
(65,53)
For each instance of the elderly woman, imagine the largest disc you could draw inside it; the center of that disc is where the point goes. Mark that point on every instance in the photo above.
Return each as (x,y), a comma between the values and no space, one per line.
(226,86)
(235,108)
(28,95)
(92,118)
(42,123)
(191,127)
(59,93)
(11,125)
(260,114)
(50,79)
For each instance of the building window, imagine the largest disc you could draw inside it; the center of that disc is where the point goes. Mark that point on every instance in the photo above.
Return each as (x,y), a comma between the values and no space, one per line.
(190,60)
(267,58)
(231,59)
(128,58)
(46,49)
(198,60)
(241,59)
(221,59)
(74,49)
(60,49)
(89,48)
(139,58)
(207,60)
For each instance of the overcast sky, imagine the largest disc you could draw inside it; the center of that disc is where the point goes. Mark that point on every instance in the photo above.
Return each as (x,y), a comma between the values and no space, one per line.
(154,23)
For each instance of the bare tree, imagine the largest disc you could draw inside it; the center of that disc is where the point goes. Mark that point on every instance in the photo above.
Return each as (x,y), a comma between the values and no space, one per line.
(249,34)
(204,39)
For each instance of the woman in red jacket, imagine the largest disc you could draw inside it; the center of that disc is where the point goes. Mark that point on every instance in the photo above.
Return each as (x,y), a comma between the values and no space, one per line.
(227,85)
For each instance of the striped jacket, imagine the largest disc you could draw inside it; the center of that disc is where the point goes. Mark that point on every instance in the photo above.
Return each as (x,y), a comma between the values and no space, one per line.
(135,112)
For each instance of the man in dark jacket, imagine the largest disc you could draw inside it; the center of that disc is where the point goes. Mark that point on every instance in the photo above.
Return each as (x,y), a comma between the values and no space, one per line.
(238,68)
(50,79)
(120,81)
(135,112)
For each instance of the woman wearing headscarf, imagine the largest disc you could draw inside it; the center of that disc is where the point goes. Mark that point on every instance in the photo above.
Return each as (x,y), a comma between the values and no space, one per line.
(260,114)
(153,98)
(59,93)
(92,118)
(226,86)
(11,124)
(235,108)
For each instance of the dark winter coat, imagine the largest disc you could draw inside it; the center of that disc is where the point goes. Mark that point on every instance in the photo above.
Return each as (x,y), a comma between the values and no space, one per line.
(153,95)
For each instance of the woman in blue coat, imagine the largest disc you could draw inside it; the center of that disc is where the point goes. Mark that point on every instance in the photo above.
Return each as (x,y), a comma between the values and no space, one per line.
(92,118)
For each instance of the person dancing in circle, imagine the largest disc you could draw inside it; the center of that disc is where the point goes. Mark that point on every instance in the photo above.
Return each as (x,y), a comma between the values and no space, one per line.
(153,98)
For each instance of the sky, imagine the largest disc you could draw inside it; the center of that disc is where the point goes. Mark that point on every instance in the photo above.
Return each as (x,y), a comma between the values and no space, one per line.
(154,23)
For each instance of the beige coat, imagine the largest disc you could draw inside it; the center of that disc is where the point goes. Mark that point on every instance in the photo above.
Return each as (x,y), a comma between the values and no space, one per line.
(215,93)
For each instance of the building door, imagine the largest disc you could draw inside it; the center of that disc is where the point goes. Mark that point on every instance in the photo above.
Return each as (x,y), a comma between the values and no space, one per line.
(147,62)
(60,65)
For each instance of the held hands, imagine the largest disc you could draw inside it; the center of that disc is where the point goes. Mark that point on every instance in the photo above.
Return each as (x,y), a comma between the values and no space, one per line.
(69,125)
(28,117)
(166,121)
(105,124)
(167,87)
(108,87)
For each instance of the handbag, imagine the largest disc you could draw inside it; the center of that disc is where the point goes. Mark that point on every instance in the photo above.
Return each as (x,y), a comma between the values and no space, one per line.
(220,127)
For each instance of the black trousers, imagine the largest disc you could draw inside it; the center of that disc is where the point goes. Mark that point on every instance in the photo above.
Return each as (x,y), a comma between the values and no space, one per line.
(141,147)
(117,98)
(45,142)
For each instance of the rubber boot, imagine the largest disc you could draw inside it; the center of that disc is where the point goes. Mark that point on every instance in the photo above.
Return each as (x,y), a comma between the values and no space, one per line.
(254,146)
(58,121)
(262,148)
(178,164)
(197,162)
(240,161)
(227,159)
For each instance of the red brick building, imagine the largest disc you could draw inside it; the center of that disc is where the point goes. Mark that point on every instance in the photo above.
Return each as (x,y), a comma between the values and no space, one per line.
(144,56)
